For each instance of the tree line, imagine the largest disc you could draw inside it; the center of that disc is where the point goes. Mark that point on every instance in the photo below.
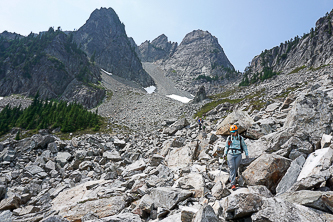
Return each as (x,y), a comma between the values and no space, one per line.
(43,114)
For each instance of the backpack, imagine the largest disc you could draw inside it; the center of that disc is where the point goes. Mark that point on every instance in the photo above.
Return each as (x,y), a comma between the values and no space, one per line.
(241,138)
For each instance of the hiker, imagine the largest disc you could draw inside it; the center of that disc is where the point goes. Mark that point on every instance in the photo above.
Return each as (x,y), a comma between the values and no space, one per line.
(234,147)
(200,123)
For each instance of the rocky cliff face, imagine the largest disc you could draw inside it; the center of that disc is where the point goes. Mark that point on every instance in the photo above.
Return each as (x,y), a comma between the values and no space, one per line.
(52,65)
(199,54)
(312,50)
(159,48)
(10,35)
(104,39)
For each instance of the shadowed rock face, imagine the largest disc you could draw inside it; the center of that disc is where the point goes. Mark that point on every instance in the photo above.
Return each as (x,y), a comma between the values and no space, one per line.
(58,69)
(104,39)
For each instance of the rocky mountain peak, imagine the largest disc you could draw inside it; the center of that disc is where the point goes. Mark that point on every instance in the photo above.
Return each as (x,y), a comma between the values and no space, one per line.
(104,39)
(199,54)
(159,49)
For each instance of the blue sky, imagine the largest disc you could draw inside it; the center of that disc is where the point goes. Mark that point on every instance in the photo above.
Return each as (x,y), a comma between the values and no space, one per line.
(244,28)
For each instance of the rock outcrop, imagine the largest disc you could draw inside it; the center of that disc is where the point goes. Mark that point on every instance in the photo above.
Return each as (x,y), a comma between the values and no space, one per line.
(159,49)
(51,64)
(103,38)
(311,51)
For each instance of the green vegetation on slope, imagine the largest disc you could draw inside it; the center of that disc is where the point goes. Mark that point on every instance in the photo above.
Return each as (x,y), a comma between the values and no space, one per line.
(44,114)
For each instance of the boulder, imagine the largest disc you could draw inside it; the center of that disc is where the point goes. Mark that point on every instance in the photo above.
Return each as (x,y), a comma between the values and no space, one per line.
(308,198)
(188,213)
(178,125)
(122,217)
(62,158)
(240,205)
(238,117)
(291,175)
(112,155)
(311,113)
(168,197)
(267,170)
(87,197)
(276,210)
(205,214)
(138,165)
(10,203)
(200,95)
(194,182)
(219,190)
(317,162)
(182,157)
(325,141)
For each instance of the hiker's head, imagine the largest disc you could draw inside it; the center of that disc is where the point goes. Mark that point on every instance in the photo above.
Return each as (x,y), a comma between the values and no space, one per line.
(233,129)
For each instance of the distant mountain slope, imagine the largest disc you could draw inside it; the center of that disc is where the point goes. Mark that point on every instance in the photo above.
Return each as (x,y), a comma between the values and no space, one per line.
(311,51)
(50,63)
(104,39)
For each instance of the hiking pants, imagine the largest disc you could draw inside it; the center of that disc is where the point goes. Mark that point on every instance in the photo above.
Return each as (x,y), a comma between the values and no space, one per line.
(233,163)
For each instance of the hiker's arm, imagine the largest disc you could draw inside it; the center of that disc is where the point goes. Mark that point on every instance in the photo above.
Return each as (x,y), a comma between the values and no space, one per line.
(245,147)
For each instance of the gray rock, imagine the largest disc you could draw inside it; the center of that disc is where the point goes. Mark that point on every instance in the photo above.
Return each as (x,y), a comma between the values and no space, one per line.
(123,217)
(200,95)
(241,205)
(275,210)
(308,198)
(267,170)
(10,203)
(62,158)
(238,117)
(206,214)
(219,190)
(6,215)
(55,219)
(291,175)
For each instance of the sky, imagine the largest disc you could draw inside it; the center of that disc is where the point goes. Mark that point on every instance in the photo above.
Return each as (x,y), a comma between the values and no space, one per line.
(244,28)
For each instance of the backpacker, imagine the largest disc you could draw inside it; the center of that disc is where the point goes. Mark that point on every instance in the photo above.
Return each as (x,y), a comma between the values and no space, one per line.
(241,146)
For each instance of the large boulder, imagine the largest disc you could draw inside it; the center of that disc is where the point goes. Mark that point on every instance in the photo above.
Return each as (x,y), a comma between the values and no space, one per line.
(238,117)
(178,125)
(276,210)
(241,205)
(194,182)
(267,170)
(309,198)
(317,162)
(291,175)
(311,113)
(182,157)
(206,214)
(91,196)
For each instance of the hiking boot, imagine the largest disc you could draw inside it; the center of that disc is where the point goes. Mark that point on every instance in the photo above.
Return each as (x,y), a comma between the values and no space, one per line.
(233,187)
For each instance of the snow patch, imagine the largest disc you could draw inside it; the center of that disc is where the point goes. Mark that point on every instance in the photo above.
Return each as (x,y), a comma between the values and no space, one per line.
(1,98)
(150,89)
(179,98)
(110,74)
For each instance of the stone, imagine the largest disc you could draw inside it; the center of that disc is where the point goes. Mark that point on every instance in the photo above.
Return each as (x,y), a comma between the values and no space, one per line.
(260,190)
(219,190)
(316,162)
(112,155)
(62,158)
(275,209)
(267,170)
(10,203)
(194,182)
(240,205)
(138,165)
(178,125)
(156,159)
(291,175)
(168,197)
(188,213)
(239,118)
(325,141)
(200,95)
(206,214)
(313,199)
(182,157)
(311,113)
(122,217)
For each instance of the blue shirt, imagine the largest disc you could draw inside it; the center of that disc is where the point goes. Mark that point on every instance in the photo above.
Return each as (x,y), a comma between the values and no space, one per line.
(235,146)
